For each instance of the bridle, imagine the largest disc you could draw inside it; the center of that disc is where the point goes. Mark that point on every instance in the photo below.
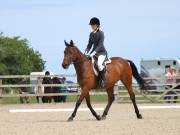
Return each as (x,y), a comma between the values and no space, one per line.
(80,61)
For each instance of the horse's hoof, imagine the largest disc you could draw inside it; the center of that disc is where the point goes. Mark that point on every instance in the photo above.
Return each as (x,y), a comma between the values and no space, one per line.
(139,116)
(98,117)
(70,119)
(103,117)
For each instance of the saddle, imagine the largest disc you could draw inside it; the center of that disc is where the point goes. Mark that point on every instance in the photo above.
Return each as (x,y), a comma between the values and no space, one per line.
(95,65)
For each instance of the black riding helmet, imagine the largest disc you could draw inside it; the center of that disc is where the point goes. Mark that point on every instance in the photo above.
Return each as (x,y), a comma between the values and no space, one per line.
(94,21)
(47,73)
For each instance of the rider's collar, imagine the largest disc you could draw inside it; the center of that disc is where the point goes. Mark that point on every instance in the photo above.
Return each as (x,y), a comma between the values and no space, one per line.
(96,30)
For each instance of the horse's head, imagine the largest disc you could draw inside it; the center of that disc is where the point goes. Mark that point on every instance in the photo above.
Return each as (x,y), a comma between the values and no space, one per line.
(70,54)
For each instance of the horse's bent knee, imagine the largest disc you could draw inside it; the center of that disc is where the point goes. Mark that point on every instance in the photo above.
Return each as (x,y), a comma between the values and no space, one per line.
(132,96)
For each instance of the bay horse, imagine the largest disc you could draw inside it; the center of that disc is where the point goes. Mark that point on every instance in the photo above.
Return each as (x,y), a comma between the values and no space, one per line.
(118,69)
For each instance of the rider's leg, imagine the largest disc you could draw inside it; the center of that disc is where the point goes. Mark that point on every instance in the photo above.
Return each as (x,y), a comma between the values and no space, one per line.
(101,59)
(101,67)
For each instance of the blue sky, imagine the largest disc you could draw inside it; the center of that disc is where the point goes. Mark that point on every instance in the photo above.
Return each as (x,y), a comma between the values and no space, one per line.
(134,29)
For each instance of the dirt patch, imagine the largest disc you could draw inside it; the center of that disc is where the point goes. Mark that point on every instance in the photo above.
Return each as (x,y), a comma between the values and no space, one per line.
(120,121)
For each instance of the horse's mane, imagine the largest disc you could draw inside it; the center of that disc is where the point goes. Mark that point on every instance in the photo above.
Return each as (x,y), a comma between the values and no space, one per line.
(78,50)
(71,44)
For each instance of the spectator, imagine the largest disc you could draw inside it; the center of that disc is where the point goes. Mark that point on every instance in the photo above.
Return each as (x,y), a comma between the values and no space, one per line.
(170,80)
(23,90)
(56,89)
(47,80)
(177,84)
(169,77)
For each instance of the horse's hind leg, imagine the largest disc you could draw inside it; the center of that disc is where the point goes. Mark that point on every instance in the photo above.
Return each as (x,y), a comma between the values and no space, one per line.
(90,107)
(127,81)
(111,98)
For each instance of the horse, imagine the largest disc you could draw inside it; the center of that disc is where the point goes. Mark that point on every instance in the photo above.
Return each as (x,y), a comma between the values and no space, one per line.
(60,89)
(118,69)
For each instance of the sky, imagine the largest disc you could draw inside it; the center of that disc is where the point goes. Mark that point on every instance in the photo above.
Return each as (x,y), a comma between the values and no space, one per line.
(134,29)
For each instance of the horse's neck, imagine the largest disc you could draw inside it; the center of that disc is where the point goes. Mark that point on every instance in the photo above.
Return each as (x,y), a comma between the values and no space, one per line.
(81,65)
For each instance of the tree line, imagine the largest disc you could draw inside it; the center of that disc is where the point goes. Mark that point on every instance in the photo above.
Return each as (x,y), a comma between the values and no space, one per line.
(17,57)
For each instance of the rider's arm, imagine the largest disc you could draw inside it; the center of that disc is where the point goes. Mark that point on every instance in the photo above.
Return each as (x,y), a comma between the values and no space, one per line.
(101,41)
(89,45)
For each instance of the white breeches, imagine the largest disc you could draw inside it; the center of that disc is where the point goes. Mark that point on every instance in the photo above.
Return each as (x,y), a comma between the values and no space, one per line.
(100,61)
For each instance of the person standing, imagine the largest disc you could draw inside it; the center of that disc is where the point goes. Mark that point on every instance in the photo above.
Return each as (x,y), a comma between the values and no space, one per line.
(47,89)
(170,81)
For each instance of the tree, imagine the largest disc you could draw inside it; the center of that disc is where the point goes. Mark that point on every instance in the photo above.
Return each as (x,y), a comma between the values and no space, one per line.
(17,57)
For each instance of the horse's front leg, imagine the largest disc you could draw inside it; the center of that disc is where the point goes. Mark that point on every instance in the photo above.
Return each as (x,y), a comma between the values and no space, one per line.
(88,101)
(78,103)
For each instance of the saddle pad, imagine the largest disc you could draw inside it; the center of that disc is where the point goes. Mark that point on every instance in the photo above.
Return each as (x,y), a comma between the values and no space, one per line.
(105,63)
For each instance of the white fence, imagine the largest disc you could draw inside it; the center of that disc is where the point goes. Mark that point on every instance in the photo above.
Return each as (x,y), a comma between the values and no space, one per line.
(162,94)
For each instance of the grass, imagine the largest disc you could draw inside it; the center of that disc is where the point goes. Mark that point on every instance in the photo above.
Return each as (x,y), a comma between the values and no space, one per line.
(94,98)
(16,100)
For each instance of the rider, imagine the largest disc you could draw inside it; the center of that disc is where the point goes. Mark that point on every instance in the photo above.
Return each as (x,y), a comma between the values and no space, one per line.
(96,39)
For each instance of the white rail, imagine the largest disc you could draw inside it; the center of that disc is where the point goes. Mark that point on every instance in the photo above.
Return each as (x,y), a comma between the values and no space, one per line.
(121,95)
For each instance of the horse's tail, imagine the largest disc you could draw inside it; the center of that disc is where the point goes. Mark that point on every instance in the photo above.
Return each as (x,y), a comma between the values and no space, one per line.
(139,79)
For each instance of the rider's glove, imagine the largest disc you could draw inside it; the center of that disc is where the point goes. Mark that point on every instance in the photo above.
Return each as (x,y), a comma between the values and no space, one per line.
(92,54)
(86,53)
(88,56)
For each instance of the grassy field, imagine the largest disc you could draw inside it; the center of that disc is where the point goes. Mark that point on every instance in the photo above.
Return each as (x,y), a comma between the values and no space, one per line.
(123,97)
(16,100)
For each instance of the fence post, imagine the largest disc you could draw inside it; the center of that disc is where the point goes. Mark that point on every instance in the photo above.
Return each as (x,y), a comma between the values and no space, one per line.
(1,89)
(116,93)
(39,89)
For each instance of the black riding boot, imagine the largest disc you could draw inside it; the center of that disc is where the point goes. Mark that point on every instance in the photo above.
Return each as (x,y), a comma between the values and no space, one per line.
(102,77)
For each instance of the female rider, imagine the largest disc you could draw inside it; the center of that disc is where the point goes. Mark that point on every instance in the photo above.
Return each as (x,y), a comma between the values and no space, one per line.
(96,45)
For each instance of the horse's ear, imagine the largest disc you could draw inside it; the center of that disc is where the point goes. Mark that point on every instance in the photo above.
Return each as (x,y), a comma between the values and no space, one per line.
(71,43)
(66,43)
